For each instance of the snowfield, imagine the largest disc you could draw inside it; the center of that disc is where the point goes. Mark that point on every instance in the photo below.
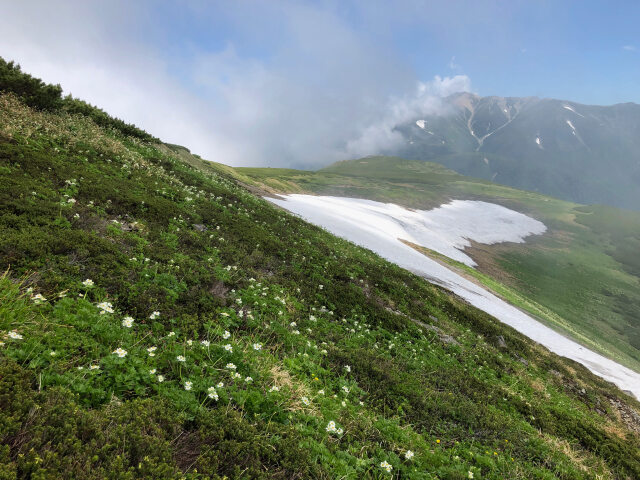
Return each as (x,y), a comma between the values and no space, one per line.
(447,230)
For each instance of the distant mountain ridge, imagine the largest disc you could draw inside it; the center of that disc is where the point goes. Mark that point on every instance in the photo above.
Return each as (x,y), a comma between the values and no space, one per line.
(582,153)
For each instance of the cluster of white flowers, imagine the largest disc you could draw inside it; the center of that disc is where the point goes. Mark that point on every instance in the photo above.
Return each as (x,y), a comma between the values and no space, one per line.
(408,454)
(386,466)
(105,307)
(14,335)
(38,299)
(228,347)
(154,315)
(88,283)
(257,346)
(332,428)
(212,393)
(347,368)
(151,351)
(226,335)
(306,401)
(205,343)
(231,366)
(188,385)
(274,389)
(181,358)
(120,352)
(127,322)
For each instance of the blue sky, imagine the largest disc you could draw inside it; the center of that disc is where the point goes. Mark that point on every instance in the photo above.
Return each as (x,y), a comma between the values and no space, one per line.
(305,83)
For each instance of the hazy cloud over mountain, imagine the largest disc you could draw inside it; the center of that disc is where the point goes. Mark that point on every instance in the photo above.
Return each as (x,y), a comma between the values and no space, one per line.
(321,92)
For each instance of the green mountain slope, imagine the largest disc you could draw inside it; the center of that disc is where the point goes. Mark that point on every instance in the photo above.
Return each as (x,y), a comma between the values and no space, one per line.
(580,153)
(161,321)
(583,270)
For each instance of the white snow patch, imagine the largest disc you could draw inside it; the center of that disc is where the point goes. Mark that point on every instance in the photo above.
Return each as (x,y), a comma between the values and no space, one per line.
(538,140)
(421,123)
(505,110)
(379,227)
(570,108)
(572,127)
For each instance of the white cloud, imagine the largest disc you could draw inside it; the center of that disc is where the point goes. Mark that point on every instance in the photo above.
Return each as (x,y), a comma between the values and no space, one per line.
(629,48)
(426,99)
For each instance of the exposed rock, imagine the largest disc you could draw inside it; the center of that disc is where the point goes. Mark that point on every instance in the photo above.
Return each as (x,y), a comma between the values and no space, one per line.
(501,342)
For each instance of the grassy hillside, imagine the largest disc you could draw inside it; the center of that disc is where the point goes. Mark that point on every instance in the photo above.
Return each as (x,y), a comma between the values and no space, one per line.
(583,270)
(158,320)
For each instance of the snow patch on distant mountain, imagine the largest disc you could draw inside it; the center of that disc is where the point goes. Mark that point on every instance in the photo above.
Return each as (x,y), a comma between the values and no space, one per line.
(570,108)
(421,123)
(572,127)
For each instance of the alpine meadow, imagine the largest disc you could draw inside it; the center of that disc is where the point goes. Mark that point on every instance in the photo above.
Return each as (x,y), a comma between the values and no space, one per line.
(160,319)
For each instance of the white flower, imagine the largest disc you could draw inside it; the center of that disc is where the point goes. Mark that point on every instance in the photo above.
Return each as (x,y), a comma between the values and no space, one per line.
(296,332)
(38,298)
(226,334)
(188,385)
(257,346)
(231,366)
(220,385)
(160,378)
(408,454)
(152,371)
(53,353)
(248,379)
(205,343)
(344,404)
(305,400)
(331,426)
(312,318)
(470,474)
(181,358)
(171,334)
(321,392)
(151,351)
(293,324)
(320,287)
(347,368)
(386,466)
(15,335)
(155,314)
(120,352)
(274,389)
(88,283)
(127,322)
(236,375)
(94,367)
(228,347)
(345,389)
(106,307)
(213,394)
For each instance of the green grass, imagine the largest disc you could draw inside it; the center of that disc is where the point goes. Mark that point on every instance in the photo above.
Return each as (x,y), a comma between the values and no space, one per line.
(244,289)
(584,270)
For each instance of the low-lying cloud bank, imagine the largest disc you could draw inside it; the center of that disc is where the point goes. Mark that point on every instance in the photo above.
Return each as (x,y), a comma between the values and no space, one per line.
(319,92)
